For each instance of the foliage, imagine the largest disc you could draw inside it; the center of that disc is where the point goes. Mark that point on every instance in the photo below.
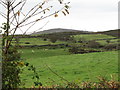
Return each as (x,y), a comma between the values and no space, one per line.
(82,40)
(74,50)
(53,39)
(58,36)
(93,44)
(10,68)
(27,42)
(112,47)
(108,41)
(81,50)
(103,83)
(115,33)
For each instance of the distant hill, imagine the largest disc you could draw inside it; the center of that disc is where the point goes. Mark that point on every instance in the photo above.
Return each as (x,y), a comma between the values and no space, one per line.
(59,30)
(115,33)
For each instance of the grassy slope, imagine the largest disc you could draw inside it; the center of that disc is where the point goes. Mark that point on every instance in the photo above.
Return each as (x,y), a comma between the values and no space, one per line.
(93,36)
(72,67)
(98,36)
(113,41)
(37,41)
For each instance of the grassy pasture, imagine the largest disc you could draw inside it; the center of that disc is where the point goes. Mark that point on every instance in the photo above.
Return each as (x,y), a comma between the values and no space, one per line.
(112,41)
(92,36)
(37,41)
(73,67)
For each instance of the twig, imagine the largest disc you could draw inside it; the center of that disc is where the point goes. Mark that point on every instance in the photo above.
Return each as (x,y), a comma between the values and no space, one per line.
(57,74)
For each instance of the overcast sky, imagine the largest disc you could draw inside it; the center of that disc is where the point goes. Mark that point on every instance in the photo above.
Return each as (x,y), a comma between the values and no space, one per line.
(89,15)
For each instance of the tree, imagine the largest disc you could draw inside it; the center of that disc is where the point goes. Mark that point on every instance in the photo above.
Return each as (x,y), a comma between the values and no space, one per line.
(17,19)
(53,38)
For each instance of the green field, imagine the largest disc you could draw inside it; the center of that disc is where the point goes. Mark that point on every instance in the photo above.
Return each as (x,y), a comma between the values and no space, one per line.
(73,67)
(37,41)
(93,36)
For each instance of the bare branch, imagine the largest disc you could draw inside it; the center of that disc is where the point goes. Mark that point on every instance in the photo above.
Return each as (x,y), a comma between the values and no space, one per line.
(14,14)
(34,8)
(23,5)
(40,18)
(3,5)
(21,9)
(12,2)
(56,74)
(3,15)
(37,29)
(26,18)
(42,26)
(16,5)
(29,28)
(3,2)
(41,11)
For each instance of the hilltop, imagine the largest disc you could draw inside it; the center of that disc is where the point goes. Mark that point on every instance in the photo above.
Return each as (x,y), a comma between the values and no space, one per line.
(59,30)
(115,33)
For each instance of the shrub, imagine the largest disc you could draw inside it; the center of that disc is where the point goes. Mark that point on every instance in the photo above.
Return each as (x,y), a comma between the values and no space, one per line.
(79,50)
(27,42)
(10,69)
(118,47)
(44,39)
(93,44)
(108,41)
(102,84)
(111,47)
(53,39)
(82,40)
(74,50)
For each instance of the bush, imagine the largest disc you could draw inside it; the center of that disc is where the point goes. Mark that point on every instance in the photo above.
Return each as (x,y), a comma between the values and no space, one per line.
(102,84)
(74,50)
(93,44)
(44,39)
(27,42)
(82,40)
(79,50)
(53,39)
(10,69)
(118,47)
(108,41)
(112,47)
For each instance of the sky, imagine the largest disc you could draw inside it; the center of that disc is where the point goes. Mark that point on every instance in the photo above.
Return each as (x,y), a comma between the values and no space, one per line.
(87,15)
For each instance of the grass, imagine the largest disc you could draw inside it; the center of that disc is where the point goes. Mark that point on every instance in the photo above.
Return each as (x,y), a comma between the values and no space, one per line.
(112,41)
(37,41)
(83,67)
(42,53)
(92,36)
